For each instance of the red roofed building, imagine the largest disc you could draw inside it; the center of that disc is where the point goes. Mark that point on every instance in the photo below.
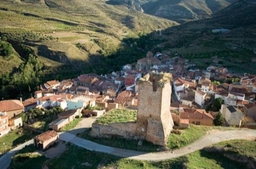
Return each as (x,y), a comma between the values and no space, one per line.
(11,107)
(196,116)
(53,84)
(46,139)
(129,80)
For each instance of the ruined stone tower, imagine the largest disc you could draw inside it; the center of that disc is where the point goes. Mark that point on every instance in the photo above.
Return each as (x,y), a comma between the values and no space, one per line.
(154,120)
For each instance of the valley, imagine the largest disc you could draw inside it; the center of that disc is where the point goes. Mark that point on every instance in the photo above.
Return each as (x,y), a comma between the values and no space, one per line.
(63,61)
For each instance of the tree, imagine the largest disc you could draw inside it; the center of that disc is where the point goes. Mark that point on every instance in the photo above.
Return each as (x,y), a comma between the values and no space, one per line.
(216,105)
(218,121)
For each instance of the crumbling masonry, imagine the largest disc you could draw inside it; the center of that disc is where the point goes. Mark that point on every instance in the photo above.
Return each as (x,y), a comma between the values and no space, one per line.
(154,120)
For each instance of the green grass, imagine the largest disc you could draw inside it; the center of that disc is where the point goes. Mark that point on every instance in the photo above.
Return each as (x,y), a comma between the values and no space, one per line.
(234,154)
(175,141)
(84,159)
(40,125)
(120,142)
(118,116)
(187,136)
(71,125)
(14,138)
(248,147)
(211,160)
(28,158)
(93,159)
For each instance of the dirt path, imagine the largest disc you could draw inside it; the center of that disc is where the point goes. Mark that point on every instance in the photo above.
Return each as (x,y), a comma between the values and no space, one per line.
(207,140)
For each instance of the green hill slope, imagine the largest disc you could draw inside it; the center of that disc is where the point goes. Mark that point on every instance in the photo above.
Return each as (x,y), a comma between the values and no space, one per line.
(70,37)
(184,10)
(234,48)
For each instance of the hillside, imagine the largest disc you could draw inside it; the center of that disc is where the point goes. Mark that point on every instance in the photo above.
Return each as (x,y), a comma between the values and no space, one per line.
(234,47)
(69,37)
(178,10)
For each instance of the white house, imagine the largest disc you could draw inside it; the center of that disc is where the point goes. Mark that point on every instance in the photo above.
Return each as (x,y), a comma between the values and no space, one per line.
(180,87)
(200,97)
(239,96)
(232,115)
(231,100)
(62,103)
(223,95)
(127,67)
(15,122)
(205,87)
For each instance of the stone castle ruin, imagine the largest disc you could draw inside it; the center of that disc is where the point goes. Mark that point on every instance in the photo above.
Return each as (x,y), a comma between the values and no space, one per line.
(154,121)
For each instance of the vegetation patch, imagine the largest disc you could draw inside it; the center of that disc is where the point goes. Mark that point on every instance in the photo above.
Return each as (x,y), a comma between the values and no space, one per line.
(118,116)
(83,158)
(28,158)
(71,125)
(187,136)
(116,141)
(242,147)
(13,139)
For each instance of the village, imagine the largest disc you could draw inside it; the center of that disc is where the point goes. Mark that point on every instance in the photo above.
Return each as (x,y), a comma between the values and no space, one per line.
(198,97)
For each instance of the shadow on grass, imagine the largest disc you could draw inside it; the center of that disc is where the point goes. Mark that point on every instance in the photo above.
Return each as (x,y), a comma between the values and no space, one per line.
(24,136)
(82,158)
(27,158)
(222,160)
(120,142)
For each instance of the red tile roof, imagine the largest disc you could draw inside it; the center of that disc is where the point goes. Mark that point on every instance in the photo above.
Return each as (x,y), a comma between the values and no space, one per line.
(195,114)
(30,101)
(46,135)
(10,105)
(67,113)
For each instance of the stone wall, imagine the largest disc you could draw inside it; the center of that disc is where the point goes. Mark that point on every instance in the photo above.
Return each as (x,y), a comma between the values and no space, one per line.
(154,120)
(125,130)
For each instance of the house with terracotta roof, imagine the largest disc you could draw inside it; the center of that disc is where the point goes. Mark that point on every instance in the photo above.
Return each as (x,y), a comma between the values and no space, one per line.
(46,139)
(38,94)
(29,103)
(70,114)
(11,107)
(64,118)
(129,80)
(232,115)
(124,98)
(4,128)
(53,84)
(86,79)
(195,116)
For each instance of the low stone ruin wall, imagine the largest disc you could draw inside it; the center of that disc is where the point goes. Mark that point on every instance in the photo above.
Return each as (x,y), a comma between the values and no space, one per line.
(125,130)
